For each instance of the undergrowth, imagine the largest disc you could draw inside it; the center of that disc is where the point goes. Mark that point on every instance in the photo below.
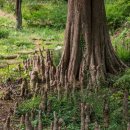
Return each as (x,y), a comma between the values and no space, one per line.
(69,110)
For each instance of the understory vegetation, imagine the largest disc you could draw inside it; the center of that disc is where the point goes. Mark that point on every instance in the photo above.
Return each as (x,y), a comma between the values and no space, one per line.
(43,27)
(69,109)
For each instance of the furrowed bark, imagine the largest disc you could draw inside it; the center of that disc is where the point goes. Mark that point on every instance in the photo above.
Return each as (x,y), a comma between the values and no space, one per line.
(95,55)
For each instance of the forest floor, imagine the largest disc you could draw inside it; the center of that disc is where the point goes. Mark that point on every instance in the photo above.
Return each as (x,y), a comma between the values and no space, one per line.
(27,37)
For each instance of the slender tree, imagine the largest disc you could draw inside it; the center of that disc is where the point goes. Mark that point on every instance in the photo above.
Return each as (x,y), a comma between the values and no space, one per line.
(18,14)
(88,54)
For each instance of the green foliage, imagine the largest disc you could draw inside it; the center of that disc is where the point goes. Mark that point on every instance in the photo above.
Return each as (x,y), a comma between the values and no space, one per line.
(124,81)
(7,5)
(69,109)
(53,13)
(4,33)
(64,108)
(2,3)
(45,14)
(23,44)
(28,105)
(121,42)
(117,13)
(116,109)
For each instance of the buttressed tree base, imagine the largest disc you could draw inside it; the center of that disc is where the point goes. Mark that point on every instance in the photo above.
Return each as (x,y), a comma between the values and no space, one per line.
(88,54)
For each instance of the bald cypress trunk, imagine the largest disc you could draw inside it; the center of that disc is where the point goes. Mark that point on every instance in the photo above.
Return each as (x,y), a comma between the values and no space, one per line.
(18,14)
(88,54)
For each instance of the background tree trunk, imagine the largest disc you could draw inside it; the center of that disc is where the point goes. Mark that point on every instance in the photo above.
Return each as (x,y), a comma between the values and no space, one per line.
(88,52)
(18,14)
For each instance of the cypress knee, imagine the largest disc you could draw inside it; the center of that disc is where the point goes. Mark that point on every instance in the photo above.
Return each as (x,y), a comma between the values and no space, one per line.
(28,125)
(82,117)
(106,114)
(40,125)
(7,124)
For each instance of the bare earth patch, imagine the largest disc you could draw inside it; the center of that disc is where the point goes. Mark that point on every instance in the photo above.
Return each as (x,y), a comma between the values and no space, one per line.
(7,15)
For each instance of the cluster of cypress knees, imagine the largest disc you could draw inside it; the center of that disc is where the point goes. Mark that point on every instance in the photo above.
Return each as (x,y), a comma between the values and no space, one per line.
(44,79)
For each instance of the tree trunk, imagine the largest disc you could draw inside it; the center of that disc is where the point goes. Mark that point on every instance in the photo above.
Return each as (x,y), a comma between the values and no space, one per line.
(18,14)
(88,52)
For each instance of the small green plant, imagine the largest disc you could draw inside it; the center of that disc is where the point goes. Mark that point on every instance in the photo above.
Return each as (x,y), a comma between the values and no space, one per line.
(124,81)
(121,44)
(117,12)
(28,105)
(4,33)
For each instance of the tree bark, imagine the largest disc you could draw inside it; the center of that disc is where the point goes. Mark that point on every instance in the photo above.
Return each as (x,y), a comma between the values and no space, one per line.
(18,14)
(88,54)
